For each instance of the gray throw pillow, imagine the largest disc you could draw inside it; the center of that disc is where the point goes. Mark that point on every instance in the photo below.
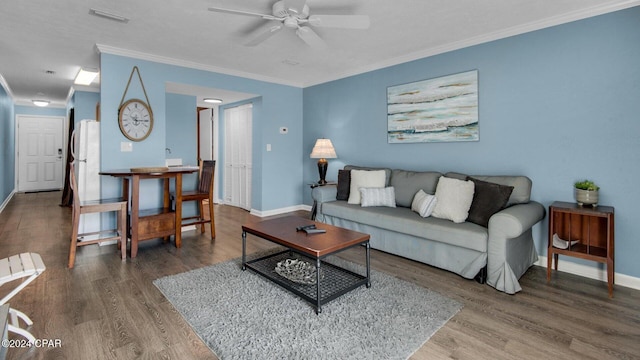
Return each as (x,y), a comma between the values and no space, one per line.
(488,199)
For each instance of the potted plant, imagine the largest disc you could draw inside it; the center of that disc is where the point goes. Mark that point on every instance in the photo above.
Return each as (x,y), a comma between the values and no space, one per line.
(586,193)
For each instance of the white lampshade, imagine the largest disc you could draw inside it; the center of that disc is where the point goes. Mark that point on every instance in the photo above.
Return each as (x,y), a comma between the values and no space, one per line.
(323,149)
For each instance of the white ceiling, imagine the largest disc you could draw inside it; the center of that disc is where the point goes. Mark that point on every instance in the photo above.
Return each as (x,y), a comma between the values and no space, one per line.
(61,36)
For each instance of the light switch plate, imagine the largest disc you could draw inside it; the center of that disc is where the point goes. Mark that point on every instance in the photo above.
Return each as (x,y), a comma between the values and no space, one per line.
(126,146)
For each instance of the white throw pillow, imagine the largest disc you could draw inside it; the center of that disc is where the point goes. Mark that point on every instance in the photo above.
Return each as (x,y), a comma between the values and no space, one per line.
(378,197)
(454,199)
(364,179)
(423,203)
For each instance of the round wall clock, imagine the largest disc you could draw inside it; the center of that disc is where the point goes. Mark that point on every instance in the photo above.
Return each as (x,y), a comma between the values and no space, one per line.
(135,119)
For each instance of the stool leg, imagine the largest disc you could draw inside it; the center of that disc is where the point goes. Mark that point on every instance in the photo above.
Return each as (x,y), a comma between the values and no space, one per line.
(22,332)
(74,239)
(15,314)
(212,224)
(122,228)
(201,203)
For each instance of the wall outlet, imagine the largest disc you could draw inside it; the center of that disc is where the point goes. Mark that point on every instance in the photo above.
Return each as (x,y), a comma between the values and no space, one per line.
(284,130)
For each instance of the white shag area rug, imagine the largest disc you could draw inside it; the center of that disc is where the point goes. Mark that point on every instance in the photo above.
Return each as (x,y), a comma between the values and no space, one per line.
(241,315)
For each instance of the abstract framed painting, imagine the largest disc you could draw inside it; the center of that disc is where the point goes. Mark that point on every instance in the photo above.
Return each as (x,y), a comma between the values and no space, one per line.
(443,109)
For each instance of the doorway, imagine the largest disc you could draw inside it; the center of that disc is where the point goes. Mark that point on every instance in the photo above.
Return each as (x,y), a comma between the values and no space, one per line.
(207,129)
(238,165)
(40,157)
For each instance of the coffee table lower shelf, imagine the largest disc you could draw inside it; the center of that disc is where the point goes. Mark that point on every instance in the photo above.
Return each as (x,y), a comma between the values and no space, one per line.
(334,280)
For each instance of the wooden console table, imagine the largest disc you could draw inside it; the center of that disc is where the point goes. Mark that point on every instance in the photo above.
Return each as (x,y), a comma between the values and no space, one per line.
(591,227)
(153,223)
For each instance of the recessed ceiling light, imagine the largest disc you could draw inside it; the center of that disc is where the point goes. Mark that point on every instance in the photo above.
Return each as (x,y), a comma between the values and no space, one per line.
(85,76)
(212,101)
(108,15)
(40,103)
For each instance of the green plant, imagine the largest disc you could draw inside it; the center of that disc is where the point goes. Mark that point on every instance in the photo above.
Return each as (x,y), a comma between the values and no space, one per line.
(586,185)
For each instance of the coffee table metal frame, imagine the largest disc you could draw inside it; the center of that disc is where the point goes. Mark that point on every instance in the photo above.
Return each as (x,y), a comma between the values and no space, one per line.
(332,281)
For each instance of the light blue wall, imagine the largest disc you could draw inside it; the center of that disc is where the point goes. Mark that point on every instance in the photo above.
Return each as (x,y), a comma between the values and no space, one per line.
(44,111)
(84,105)
(181,138)
(279,171)
(557,105)
(7,145)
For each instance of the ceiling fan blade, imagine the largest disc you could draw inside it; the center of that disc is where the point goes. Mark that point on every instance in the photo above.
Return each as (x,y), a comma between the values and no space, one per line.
(264,35)
(295,6)
(310,37)
(340,21)
(245,13)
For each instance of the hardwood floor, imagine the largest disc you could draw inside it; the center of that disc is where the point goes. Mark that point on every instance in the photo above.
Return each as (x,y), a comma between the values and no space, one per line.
(108,309)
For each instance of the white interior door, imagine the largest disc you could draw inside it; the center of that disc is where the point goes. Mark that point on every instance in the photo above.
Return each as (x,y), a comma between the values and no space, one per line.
(208,145)
(40,152)
(238,165)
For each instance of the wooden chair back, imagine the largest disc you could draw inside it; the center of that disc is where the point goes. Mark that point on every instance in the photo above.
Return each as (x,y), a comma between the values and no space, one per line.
(207,172)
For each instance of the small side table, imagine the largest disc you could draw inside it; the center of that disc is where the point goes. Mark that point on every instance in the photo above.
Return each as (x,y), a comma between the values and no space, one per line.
(591,227)
(314,207)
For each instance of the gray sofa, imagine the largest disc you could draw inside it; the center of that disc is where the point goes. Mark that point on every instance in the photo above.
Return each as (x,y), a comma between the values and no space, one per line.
(501,252)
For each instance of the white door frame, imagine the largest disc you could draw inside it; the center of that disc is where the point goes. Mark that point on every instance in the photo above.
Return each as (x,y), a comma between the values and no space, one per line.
(65,140)
(214,142)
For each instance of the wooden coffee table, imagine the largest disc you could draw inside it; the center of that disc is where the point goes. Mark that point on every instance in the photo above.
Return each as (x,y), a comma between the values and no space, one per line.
(331,281)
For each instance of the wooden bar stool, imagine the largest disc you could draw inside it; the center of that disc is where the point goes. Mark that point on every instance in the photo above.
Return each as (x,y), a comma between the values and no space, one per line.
(118,205)
(202,194)
(27,265)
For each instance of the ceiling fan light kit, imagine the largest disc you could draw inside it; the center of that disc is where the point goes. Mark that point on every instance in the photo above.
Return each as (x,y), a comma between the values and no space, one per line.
(295,14)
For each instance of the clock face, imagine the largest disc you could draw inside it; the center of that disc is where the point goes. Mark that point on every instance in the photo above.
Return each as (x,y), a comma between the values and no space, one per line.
(135,119)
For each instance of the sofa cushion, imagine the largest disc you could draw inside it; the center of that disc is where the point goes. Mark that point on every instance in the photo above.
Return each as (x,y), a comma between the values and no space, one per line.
(407,184)
(454,199)
(378,197)
(488,199)
(423,203)
(344,184)
(387,171)
(403,220)
(521,185)
(366,179)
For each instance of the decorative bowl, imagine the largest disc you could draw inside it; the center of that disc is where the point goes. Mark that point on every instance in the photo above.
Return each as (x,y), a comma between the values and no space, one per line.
(586,197)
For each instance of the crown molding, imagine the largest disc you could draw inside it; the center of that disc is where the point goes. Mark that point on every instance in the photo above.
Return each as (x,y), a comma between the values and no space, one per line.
(437,50)
(101,48)
(5,85)
(485,38)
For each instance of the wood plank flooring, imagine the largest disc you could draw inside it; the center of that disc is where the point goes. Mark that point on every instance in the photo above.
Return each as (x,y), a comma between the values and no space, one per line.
(108,309)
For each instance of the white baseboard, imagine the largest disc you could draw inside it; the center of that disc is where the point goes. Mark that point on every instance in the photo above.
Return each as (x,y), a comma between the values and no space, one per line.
(188,228)
(591,272)
(6,201)
(280,211)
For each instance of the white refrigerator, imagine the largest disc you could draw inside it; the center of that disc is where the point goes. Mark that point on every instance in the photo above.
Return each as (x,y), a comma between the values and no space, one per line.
(86,155)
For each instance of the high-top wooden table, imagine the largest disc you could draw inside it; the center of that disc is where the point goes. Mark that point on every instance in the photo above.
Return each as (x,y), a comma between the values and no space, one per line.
(331,281)
(153,223)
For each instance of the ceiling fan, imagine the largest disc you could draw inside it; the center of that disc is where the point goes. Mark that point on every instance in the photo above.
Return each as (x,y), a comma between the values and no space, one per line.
(294,14)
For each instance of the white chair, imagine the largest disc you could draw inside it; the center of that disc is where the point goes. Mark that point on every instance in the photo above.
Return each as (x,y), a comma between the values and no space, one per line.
(80,207)
(27,265)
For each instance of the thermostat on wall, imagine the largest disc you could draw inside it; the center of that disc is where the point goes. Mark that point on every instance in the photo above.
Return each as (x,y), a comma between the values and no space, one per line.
(284,130)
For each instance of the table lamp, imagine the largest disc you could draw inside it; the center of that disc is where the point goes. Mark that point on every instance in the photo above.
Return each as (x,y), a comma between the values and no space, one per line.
(323,150)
